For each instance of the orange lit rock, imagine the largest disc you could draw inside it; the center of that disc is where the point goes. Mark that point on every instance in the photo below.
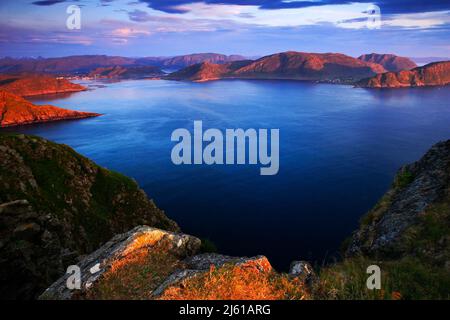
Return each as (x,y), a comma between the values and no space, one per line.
(15,110)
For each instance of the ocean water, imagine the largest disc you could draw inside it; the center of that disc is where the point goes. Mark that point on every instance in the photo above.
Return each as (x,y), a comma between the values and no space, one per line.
(340,147)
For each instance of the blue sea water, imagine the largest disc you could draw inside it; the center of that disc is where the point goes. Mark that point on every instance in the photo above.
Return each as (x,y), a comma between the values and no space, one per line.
(340,147)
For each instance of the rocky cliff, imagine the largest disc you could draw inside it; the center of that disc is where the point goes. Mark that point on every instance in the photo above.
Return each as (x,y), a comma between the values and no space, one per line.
(413,217)
(55,206)
(331,67)
(390,62)
(15,110)
(433,74)
(32,85)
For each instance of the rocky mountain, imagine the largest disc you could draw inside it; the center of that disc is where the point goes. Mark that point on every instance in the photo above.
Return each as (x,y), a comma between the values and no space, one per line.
(390,62)
(333,67)
(120,72)
(15,110)
(433,74)
(34,84)
(56,206)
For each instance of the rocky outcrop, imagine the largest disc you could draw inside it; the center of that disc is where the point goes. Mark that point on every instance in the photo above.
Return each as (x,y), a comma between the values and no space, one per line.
(390,62)
(57,205)
(332,67)
(120,72)
(157,264)
(32,85)
(433,74)
(15,110)
(397,225)
(141,240)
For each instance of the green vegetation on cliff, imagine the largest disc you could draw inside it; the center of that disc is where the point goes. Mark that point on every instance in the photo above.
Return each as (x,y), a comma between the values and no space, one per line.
(407,234)
(56,205)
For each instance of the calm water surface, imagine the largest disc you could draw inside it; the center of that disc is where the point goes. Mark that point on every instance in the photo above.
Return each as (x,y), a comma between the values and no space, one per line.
(339,150)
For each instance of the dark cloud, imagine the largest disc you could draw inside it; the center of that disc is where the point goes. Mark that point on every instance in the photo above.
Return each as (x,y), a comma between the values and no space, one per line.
(47,2)
(387,6)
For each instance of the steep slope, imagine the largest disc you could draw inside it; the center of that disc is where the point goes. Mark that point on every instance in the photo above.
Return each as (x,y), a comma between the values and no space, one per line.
(288,65)
(15,110)
(390,62)
(56,205)
(418,199)
(406,234)
(433,74)
(32,85)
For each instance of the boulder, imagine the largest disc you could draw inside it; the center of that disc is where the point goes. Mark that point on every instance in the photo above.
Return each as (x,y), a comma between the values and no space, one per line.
(141,238)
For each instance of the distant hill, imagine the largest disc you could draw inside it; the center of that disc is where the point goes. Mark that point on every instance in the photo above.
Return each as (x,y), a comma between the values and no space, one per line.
(333,67)
(31,85)
(191,59)
(64,65)
(15,110)
(84,64)
(426,60)
(207,71)
(433,74)
(125,72)
(390,62)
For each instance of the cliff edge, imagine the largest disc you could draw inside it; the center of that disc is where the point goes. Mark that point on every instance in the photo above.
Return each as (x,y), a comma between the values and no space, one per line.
(55,206)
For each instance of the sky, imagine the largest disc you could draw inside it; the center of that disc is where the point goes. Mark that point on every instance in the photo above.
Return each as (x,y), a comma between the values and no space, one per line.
(137,28)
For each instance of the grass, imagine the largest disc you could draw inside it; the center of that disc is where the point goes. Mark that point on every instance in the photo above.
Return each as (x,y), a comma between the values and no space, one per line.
(90,200)
(249,281)
(403,178)
(137,274)
(407,278)
(421,273)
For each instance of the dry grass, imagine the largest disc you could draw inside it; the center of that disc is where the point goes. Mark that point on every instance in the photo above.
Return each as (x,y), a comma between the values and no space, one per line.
(254,280)
(137,274)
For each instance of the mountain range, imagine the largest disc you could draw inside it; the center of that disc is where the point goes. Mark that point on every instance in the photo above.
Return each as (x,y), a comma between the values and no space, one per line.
(86,63)
(333,67)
